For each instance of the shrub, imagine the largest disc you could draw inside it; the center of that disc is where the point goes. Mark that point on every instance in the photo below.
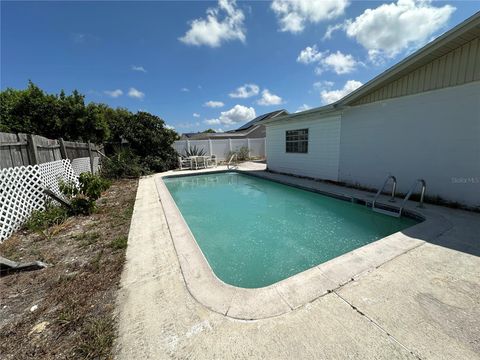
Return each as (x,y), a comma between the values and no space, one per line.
(123,164)
(242,154)
(194,151)
(40,220)
(82,198)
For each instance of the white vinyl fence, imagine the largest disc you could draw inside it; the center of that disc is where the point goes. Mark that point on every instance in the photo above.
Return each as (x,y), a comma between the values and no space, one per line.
(221,147)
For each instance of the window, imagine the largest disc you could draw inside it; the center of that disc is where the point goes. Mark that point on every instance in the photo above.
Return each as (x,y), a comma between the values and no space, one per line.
(297,141)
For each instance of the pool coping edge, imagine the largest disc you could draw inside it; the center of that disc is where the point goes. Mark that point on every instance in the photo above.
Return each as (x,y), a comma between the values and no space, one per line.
(297,290)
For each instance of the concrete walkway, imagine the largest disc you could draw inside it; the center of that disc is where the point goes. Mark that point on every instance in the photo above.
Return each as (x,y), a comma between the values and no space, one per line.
(422,304)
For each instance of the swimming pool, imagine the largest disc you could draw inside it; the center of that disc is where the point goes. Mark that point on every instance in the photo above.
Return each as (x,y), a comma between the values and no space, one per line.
(255,232)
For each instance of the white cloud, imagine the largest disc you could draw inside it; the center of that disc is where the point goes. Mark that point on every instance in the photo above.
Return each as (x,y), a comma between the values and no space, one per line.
(340,63)
(330,96)
(212,121)
(269,99)
(245,91)
(391,28)
(237,114)
(171,127)
(114,93)
(184,89)
(303,107)
(196,115)
(138,68)
(293,15)
(324,84)
(213,104)
(309,55)
(331,29)
(134,93)
(223,23)
(337,62)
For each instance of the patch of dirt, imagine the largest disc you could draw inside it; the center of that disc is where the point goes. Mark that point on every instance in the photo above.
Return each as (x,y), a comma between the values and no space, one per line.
(65,311)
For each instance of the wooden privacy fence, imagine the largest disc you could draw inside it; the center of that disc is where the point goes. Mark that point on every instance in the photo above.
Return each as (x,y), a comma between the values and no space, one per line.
(26,149)
(29,164)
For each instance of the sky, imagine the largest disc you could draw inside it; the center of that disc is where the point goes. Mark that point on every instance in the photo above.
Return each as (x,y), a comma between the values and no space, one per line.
(214,64)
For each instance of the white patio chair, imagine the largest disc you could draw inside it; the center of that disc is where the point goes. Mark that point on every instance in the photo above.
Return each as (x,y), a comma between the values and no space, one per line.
(184,163)
(201,162)
(212,160)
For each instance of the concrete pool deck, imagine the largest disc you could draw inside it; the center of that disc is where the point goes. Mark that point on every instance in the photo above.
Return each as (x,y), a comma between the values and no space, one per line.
(421,303)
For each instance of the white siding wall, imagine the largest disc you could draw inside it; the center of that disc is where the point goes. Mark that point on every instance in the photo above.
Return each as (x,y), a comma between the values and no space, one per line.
(322,158)
(433,135)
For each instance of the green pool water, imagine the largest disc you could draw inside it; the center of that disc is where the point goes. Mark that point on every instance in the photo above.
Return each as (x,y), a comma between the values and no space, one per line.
(255,232)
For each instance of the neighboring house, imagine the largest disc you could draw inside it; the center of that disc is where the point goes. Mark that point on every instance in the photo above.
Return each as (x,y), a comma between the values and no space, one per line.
(418,119)
(251,130)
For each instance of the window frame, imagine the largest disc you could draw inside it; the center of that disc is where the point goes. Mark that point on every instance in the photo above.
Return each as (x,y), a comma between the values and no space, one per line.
(296,141)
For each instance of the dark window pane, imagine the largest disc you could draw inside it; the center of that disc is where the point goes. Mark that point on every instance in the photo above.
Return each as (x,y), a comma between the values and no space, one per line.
(296,141)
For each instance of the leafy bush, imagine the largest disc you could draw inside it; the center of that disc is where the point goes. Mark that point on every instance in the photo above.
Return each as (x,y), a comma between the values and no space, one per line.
(242,154)
(82,198)
(194,151)
(148,138)
(40,220)
(68,116)
(122,164)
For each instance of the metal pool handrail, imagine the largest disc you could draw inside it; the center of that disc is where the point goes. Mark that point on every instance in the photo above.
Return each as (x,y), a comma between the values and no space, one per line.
(392,198)
(410,192)
(231,159)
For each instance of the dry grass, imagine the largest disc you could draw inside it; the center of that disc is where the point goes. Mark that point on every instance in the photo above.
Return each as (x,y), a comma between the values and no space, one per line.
(75,295)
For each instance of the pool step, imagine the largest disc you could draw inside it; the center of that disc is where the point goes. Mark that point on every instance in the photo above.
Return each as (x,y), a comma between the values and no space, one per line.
(386,212)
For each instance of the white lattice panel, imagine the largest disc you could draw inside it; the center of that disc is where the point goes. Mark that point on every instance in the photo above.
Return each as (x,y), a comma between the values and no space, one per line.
(81,165)
(21,192)
(55,171)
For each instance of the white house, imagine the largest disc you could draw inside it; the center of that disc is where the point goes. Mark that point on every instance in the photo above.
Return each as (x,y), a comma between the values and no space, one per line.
(418,119)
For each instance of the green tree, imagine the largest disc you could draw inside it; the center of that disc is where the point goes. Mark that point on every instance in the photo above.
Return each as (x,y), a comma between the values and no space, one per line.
(142,134)
(150,139)
(53,116)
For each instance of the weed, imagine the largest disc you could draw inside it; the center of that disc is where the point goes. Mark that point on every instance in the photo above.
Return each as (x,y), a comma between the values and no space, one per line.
(95,263)
(97,338)
(127,212)
(87,238)
(69,313)
(41,220)
(120,243)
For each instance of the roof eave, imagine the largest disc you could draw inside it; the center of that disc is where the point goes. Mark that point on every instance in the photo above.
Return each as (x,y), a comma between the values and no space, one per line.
(327,109)
(440,41)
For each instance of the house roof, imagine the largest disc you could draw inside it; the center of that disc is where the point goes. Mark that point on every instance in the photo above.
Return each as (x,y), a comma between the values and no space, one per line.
(465,32)
(243,130)
(452,39)
(269,115)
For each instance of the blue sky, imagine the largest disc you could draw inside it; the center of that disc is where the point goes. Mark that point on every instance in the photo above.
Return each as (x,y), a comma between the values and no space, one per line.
(214,64)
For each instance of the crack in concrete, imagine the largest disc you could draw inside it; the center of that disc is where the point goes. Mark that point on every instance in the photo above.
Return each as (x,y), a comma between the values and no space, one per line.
(362,313)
